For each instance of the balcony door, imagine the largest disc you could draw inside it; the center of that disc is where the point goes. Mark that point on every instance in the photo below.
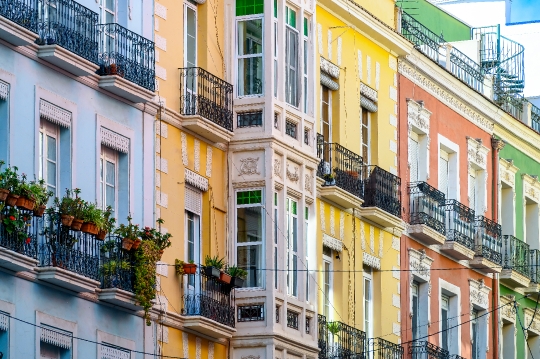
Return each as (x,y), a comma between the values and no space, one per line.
(193,242)
(190,59)
(326,128)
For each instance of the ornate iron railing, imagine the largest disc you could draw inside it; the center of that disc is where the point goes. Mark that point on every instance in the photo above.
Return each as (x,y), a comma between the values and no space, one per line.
(127,54)
(488,239)
(383,349)
(21,12)
(339,166)
(21,240)
(427,350)
(459,223)
(339,340)
(466,69)
(292,319)
(424,39)
(513,105)
(204,94)
(534,260)
(62,247)
(116,270)
(516,255)
(68,24)
(322,331)
(535,118)
(427,206)
(206,296)
(382,189)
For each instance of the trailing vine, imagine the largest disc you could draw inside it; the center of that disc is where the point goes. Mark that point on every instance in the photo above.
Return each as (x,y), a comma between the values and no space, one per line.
(146,258)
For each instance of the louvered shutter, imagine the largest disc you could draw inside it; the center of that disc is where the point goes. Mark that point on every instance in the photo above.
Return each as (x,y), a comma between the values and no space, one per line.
(413,158)
(443,172)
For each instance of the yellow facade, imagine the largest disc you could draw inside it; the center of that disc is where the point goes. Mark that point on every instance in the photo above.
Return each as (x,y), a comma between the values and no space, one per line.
(365,65)
(179,150)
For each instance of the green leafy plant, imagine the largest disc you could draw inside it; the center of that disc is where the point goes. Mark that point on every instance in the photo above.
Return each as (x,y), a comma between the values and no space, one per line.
(129,230)
(162,240)
(328,177)
(93,214)
(215,262)
(109,246)
(114,266)
(179,266)
(108,220)
(40,192)
(333,327)
(15,223)
(146,257)
(234,271)
(8,177)
(23,188)
(67,204)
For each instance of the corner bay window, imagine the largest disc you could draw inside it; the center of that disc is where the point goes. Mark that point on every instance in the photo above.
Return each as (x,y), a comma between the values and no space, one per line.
(292,247)
(250,235)
(291,58)
(250,56)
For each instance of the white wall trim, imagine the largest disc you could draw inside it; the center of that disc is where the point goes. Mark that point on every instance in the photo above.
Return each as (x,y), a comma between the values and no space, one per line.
(116,341)
(42,318)
(454,160)
(454,293)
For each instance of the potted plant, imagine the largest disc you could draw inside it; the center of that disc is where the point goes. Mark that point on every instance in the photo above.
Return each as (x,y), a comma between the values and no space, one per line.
(238,276)
(333,328)
(144,270)
(329,179)
(185,268)
(65,208)
(107,225)
(225,277)
(4,182)
(213,266)
(42,195)
(15,223)
(77,211)
(93,219)
(9,181)
(113,271)
(353,174)
(129,233)
(162,240)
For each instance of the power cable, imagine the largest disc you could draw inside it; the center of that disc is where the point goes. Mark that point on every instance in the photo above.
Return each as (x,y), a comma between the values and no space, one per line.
(522,328)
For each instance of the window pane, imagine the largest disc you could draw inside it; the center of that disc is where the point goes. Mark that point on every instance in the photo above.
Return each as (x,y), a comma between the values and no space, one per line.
(295,275)
(250,76)
(109,18)
(249,259)
(249,222)
(249,197)
(249,7)
(110,4)
(295,234)
(291,57)
(51,173)
(110,196)
(110,174)
(250,37)
(191,31)
(41,155)
(51,148)
(191,237)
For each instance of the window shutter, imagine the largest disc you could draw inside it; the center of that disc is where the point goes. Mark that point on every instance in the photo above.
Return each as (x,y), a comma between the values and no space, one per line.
(443,173)
(4,89)
(413,159)
(4,321)
(193,200)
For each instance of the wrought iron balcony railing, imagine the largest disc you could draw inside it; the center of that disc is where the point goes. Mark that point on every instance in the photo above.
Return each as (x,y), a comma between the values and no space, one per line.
(21,12)
(382,189)
(340,167)
(339,340)
(460,224)
(127,54)
(455,356)
(535,118)
(204,94)
(383,349)
(488,240)
(534,260)
(516,255)
(427,350)
(116,270)
(427,206)
(68,24)
(21,240)
(206,296)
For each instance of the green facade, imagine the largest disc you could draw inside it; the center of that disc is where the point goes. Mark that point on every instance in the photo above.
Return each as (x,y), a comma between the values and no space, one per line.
(437,20)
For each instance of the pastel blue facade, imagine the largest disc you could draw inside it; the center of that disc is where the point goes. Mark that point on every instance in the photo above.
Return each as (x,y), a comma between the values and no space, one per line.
(75,110)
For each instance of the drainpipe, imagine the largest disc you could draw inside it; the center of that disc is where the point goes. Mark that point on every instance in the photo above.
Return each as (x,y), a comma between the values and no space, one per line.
(496,145)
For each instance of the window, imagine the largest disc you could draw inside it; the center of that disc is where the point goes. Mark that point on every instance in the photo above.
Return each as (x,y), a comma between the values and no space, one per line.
(474,335)
(531,223)
(193,242)
(292,319)
(508,341)
(250,313)
(414,156)
(444,170)
(190,36)
(276,120)
(250,119)
(4,328)
(107,11)
(472,190)
(250,235)
(365,135)
(368,301)
(306,64)
(507,208)
(292,247)
(55,343)
(276,232)
(326,114)
(306,136)
(250,56)
(415,291)
(109,351)
(275,52)
(445,308)
(48,155)
(291,58)
(4,120)
(291,128)
(108,177)
(306,241)
(327,283)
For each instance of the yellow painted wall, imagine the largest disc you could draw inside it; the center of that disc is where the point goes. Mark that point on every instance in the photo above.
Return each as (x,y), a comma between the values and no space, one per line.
(176,346)
(381,9)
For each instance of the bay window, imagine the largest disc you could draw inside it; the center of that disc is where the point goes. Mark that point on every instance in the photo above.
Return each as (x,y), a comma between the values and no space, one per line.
(250,56)
(292,247)
(291,58)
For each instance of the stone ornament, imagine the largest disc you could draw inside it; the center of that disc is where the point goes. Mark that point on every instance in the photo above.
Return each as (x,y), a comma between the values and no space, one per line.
(477,153)
(277,167)
(308,183)
(293,176)
(507,171)
(4,89)
(420,265)
(183,140)
(248,166)
(531,187)
(478,294)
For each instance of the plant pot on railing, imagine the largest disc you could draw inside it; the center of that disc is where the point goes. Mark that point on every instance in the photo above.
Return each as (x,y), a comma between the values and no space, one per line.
(25,203)
(329,180)
(101,235)
(66,219)
(237,282)
(136,244)
(90,228)
(77,224)
(238,276)
(38,211)
(11,199)
(127,243)
(3,194)
(190,268)
(212,271)
(225,278)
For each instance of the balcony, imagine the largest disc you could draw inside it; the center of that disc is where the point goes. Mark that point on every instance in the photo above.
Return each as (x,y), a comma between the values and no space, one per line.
(383,349)
(382,197)
(534,286)
(17,253)
(488,252)
(338,340)
(516,264)
(426,350)
(208,306)
(67,36)
(206,101)
(126,63)
(18,21)
(341,171)
(427,213)
(67,258)
(459,231)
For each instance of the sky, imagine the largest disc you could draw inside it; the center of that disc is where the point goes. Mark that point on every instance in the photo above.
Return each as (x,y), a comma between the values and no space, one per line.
(524,11)
(487,13)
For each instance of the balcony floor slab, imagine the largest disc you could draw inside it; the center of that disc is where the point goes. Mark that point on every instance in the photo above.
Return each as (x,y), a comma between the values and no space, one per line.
(457,250)
(206,128)
(514,279)
(208,327)
(426,234)
(533,290)
(340,196)
(15,34)
(382,218)
(485,265)
(119,297)
(126,89)
(66,60)
(67,279)
(15,261)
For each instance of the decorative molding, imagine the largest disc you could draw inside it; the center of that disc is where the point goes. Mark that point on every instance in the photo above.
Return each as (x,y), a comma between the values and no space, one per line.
(531,187)
(208,161)
(413,74)
(362,235)
(418,116)
(332,221)
(54,114)
(368,92)
(161,11)
(477,153)
(420,264)
(183,140)
(372,239)
(277,167)
(329,68)
(508,311)
(533,325)
(368,104)
(185,344)
(4,322)
(114,140)
(328,82)
(211,350)
(197,155)
(381,244)
(377,75)
(341,225)
(293,176)
(308,182)
(323,215)
(507,171)
(4,90)
(248,166)
(198,343)
(479,294)
(57,337)
(395,243)
(252,357)
(371,261)
(332,242)
(249,184)
(368,70)
(196,180)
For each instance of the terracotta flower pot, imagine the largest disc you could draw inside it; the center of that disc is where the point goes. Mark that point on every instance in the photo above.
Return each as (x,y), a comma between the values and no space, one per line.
(3,194)
(225,278)
(190,268)
(90,228)
(38,212)
(136,244)
(66,219)
(101,235)
(26,203)
(77,224)
(127,243)
(11,199)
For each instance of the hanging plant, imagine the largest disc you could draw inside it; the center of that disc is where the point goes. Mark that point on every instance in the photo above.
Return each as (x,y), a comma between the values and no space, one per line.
(146,258)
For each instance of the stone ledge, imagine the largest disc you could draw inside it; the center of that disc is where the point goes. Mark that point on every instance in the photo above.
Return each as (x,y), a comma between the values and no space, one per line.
(119,297)
(457,250)
(15,261)
(206,128)
(426,234)
(66,60)
(67,279)
(126,89)
(339,196)
(514,279)
(208,327)
(382,218)
(15,34)
(485,265)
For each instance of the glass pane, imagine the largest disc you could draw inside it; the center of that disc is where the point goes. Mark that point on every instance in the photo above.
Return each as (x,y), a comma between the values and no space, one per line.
(295,234)
(275,267)
(110,174)
(250,37)
(109,18)
(51,173)
(41,155)
(191,237)
(250,76)
(249,222)
(295,275)
(110,4)
(51,148)
(444,330)
(111,198)
(249,7)
(249,259)
(191,38)
(249,197)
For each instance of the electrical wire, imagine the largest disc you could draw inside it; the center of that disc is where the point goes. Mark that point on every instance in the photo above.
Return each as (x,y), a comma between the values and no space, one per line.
(522,328)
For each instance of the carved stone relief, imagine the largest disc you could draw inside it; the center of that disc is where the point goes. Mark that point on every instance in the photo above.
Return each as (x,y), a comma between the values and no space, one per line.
(248,166)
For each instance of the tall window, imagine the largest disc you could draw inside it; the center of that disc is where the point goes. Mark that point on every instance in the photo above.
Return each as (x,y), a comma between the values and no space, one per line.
(107,11)
(291,58)
(474,335)
(445,308)
(368,301)
(327,285)
(472,190)
(414,148)
(275,55)
(443,172)
(326,114)
(48,155)
(276,232)
(190,36)
(365,135)
(193,241)
(415,288)
(108,178)
(292,247)
(306,64)
(250,235)
(250,55)
(306,241)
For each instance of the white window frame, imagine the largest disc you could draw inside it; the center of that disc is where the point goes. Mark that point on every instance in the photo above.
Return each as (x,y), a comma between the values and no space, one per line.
(275,34)
(531,211)
(306,47)
(275,234)
(49,129)
(415,290)
(507,196)
(329,114)
(363,142)
(418,120)
(189,6)
(327,297)
(479,302)
(477,168)
(367,299)
(453,166)
(108,155)
(508,337)
(238,57)
(62,324)
(414,177)
(106,338)
(288,67)
(292,254)
(103,10)
(453,293)
(262,240)
(423,279)
(307,248)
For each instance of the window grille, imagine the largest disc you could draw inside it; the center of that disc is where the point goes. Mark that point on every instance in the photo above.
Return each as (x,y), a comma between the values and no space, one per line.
(291,128)
(56,337)
(292,319)
(277,314)
(108,351)
(4,90)
(306,136)
(250,119)
(4,321)
(251,313)
(308,325)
